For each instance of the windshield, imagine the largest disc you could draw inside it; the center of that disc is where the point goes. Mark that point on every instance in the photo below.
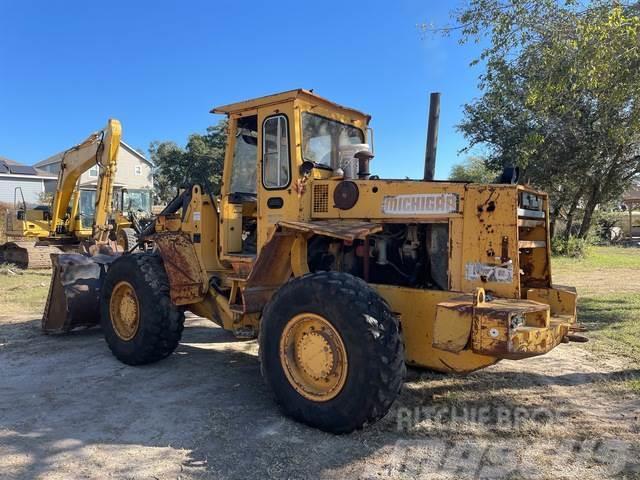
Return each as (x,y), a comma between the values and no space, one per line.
(136,200)
(322,139)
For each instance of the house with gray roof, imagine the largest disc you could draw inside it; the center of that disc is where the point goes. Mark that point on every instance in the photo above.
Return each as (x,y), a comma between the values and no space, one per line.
(19,181)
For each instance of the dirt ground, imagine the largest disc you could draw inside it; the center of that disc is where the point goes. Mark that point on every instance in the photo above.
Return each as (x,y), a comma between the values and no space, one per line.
(68,409)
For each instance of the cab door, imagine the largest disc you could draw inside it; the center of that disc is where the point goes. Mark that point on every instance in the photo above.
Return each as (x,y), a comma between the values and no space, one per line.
(277,198)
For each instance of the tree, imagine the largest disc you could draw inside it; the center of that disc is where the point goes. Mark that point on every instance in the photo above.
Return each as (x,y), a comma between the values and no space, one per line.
(560,96)
(201,161)
(473,169)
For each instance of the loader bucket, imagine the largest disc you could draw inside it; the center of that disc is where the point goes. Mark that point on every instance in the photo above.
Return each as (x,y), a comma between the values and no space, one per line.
(74,292)
(28,254)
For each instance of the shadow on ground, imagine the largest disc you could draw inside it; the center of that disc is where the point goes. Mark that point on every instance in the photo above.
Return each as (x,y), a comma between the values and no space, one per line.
(68,406)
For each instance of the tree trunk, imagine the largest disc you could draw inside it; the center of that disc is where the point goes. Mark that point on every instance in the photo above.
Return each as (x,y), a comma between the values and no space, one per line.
(554,218)
(592,203)
(571,213)
(600,188)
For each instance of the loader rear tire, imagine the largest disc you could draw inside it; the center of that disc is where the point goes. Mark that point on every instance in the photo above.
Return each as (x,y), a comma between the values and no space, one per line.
(331,351)
(143,287)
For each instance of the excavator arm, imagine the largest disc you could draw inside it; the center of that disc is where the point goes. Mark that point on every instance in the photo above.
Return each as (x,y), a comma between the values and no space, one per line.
(100,148)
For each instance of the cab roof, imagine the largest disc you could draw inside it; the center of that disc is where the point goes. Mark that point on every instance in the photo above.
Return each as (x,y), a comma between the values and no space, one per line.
(289,95)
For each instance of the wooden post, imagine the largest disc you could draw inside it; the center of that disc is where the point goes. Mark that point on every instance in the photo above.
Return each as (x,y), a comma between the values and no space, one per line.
(432,137)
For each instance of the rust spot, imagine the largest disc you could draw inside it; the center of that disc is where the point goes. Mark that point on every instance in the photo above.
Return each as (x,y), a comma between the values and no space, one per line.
(182,266)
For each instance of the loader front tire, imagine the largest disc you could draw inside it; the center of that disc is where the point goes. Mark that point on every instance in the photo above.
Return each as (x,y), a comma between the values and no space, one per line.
(330,350)
(140,323)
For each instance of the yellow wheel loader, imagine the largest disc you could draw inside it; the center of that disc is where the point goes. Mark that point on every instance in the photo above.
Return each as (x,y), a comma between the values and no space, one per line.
(344,277)
(77,217)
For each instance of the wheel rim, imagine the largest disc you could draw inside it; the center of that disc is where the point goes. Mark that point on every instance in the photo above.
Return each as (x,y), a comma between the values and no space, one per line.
(313,357)
(124,310)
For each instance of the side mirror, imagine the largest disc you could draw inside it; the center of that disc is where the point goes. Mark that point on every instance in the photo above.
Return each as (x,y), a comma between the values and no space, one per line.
(306,168)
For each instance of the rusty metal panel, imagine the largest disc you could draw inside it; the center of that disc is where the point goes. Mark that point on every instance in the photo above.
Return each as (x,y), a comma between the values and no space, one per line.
(517,329)
(488,241)
(186,278)
(343,229)
(271,269)
(500,328)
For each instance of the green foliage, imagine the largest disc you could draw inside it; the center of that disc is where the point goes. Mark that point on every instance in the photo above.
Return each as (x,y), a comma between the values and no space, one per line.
(473,169)
(572,247)
(606,223)
(201,161)
(561,97)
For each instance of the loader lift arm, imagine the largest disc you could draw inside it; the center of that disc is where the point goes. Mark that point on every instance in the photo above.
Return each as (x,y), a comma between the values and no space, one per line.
(100,148)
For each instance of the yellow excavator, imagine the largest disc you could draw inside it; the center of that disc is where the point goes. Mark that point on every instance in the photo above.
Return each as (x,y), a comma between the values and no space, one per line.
(78,219)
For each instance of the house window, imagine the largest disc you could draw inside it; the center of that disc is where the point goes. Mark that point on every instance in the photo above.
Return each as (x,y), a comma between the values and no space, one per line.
(93,172)
(138,170)
(275,148)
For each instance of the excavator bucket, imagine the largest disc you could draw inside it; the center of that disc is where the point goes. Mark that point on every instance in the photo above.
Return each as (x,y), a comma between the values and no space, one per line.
(74,293)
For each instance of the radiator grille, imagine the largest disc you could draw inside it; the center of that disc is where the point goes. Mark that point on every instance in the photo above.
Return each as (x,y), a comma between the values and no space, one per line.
(320,198)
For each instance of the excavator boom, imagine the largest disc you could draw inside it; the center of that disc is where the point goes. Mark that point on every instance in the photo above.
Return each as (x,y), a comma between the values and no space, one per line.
(99,148)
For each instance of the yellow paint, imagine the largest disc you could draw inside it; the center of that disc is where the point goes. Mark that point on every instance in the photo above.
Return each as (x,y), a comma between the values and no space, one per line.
(416,310)
(124,311)
(313,357)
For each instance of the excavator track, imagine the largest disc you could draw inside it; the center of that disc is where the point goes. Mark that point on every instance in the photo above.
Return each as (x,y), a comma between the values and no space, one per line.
(28,254)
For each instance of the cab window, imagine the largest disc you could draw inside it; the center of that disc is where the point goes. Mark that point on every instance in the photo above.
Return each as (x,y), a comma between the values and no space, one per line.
(275,152)
(87,208)
(245,152)
(322,139)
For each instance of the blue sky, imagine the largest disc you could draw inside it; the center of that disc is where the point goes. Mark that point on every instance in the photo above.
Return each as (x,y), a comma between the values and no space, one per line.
(160,66)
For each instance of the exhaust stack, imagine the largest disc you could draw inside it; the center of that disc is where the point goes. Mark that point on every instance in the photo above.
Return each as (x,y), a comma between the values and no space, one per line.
(432,136)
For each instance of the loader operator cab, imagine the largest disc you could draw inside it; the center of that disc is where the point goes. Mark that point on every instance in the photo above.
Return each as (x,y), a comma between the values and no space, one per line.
(274,144)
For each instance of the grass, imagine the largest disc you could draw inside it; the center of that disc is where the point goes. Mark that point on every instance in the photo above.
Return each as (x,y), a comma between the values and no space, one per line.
(633,385)
(608,283)
(600,258)
(22,291)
